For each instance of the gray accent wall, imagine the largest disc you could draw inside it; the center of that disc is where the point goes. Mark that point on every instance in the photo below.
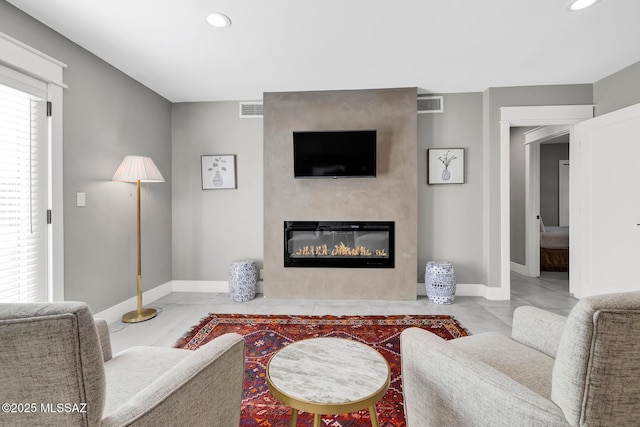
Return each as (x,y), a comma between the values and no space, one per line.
(107,115)
(620,89)
(211,228)
(390,196)
(450,216)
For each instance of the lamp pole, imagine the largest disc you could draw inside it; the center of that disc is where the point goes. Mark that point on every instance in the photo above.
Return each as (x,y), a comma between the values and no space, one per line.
(141,314)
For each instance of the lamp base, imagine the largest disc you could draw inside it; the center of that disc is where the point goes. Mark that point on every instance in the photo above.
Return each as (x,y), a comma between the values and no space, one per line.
(139,316)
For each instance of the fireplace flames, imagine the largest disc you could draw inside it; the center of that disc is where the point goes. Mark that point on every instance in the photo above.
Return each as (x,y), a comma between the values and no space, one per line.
(339,250)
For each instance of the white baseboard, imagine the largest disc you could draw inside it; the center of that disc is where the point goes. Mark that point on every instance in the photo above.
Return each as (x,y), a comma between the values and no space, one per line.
(114,314)
(207,286)
(473,290)
(200,286)
(498,294)
(468,290)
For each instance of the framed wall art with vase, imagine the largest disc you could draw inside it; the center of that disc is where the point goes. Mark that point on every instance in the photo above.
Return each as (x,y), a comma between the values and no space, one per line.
(218,171)
(445,166)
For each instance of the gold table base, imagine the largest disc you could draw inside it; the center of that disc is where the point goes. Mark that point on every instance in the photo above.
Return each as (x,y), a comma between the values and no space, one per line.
(317,418)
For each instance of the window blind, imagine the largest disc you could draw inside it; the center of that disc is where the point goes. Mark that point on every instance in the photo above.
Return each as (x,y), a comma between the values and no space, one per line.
(23,197)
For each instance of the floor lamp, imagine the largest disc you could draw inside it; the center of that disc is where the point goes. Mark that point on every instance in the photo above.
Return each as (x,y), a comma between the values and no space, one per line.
(138,169)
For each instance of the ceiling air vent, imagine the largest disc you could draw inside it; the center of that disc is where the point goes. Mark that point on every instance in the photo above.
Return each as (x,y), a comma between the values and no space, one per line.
(253,110)
(430,104)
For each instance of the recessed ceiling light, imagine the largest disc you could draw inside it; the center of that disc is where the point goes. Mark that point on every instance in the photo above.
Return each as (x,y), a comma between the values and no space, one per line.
(581,4)
(218,20)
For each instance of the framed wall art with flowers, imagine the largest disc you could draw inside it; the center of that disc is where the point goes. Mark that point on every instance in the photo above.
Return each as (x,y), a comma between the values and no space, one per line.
(218,171)
(445,166)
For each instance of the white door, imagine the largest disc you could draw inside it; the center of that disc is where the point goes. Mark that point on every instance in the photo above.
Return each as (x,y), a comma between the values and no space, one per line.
(563,193)
(606,224)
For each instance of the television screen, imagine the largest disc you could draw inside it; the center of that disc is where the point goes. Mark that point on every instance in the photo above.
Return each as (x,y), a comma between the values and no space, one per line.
(334,154)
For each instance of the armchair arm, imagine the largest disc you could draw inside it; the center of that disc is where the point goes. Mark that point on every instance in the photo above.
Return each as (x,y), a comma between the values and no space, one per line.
(443,385)
(105,339)
(206,385)
(538,329)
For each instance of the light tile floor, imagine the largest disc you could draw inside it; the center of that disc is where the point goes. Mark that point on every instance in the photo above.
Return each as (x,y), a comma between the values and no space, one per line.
(178,312)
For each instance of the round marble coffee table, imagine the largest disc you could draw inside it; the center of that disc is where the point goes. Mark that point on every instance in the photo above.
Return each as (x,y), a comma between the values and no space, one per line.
(328,376)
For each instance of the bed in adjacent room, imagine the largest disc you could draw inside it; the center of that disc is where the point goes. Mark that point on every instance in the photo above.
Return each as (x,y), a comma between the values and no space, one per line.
(554,248)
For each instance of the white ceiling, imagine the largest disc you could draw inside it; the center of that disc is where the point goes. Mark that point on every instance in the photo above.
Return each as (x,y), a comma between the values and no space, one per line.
(440,46)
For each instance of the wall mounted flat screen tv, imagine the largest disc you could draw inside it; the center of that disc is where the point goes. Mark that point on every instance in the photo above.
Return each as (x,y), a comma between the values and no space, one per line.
(334,154)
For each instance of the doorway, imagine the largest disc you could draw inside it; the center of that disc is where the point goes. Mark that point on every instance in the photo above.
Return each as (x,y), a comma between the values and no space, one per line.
(535,116)
(547,203)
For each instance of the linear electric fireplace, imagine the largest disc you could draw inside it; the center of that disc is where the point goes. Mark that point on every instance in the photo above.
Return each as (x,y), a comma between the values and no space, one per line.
(343,244)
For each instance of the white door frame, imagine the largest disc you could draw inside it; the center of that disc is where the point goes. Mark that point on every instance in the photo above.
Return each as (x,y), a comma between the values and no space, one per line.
(551,115)
(532,208)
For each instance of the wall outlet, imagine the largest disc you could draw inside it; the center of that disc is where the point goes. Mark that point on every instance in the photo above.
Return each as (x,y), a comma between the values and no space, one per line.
(261,273)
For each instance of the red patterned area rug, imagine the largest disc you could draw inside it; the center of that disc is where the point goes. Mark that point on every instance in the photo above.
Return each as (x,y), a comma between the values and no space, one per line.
(266,334)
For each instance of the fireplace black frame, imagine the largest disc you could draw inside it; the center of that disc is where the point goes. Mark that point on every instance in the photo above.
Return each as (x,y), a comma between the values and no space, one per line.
(345,227)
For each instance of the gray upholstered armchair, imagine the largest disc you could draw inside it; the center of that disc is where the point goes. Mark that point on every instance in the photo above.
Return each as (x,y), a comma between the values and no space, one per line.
(56,368)
(582,370)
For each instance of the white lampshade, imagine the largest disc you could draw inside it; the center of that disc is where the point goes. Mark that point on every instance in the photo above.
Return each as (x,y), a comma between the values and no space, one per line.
(138,168)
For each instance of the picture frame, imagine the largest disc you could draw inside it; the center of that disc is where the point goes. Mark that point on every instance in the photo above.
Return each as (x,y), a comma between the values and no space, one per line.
(218,171)
(445,166)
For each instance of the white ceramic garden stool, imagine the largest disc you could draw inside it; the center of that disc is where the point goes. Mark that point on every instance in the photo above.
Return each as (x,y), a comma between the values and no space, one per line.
(243,277)
(440,281)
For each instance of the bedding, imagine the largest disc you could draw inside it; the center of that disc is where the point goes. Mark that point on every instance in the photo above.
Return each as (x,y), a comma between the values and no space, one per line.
(555,237)
(554,248)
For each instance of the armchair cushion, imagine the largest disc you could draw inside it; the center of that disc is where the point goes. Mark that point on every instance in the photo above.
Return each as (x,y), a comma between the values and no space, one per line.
(131,370)
(523,364)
